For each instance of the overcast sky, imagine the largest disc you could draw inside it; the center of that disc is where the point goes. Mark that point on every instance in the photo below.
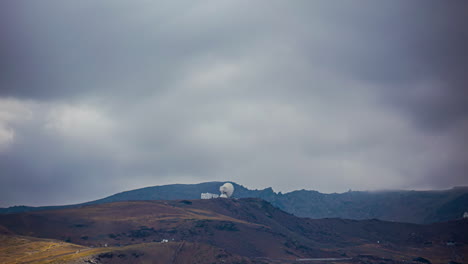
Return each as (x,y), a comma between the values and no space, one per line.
(98,97)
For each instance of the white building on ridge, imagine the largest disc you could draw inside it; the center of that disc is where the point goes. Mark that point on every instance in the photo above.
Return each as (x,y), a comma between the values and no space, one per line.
(209,196)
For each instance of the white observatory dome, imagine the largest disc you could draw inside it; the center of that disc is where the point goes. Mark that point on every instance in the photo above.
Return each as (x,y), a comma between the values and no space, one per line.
(226,190)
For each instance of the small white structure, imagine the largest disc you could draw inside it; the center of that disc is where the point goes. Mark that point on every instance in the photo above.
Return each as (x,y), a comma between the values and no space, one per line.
(209,196)
(164,241)
(465,215)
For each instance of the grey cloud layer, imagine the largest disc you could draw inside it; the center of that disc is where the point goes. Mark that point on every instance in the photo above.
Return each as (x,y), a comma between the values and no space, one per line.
(98,97)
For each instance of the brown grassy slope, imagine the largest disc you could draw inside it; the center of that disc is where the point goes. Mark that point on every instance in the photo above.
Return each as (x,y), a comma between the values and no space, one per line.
(29,250)
(391,240)
(248,227)
(335,231)
(124,223)
(172,252)
(19,249)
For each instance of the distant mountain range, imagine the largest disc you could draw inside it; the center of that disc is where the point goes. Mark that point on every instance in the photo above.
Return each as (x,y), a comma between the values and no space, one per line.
(399,206)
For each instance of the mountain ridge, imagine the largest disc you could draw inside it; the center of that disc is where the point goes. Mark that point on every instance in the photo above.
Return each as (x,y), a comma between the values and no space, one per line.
(426,206)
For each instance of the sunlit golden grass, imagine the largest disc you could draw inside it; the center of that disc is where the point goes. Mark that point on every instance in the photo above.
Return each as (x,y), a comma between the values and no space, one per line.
(18,249)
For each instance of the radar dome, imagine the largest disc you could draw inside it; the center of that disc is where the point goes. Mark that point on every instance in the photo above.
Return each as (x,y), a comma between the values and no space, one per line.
(226,190)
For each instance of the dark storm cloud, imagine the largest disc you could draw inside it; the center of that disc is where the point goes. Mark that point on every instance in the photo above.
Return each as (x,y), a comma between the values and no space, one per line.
(99,97)
(60,50)
(69,49)
(436,35)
